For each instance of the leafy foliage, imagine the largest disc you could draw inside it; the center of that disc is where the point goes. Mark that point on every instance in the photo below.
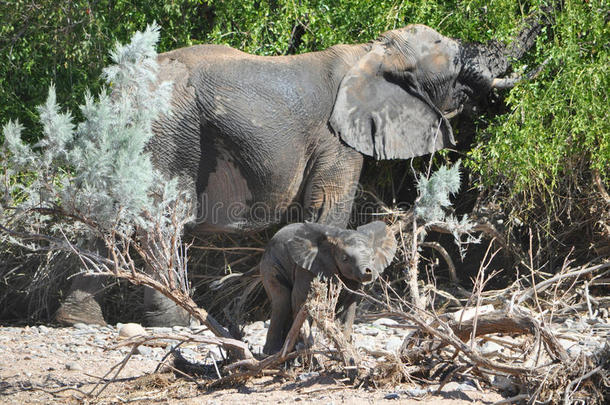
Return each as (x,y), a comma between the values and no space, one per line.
(558,122)
(555,134)
(109,179)
(434,193)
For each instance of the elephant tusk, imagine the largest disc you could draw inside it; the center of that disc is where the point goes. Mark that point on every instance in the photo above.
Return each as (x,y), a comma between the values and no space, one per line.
(450,114)
(510,82)
(505,83)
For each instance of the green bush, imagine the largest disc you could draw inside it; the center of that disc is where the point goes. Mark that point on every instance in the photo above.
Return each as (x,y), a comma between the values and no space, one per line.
(557,127)
(555,132)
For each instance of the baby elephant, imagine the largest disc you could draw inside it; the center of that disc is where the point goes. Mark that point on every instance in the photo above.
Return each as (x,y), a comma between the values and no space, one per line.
(299,252)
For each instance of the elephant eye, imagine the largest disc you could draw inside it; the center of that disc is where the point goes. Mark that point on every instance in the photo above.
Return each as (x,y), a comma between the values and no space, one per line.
(344,257)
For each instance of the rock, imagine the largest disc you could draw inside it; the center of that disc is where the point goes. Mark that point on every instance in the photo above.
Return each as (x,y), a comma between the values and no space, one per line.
(393,344)
(81,326)
(503,383)
(130,330)
(98,341)
(255,327)
(456,386)
(364,341)
(469,313)
(145,351)
(490,348)
(392,395)
(217,353)
(74,366)
(189,354)
(307,376)
(385,322)
(161,330)
(368,330)
(43,329)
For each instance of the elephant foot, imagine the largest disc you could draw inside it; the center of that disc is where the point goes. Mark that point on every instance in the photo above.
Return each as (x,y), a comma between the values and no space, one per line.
(80,307)
(161,311)
(270,349)
(167,317)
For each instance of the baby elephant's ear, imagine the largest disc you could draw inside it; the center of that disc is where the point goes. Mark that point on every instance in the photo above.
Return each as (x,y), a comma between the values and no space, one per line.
(302,251)
(383,243)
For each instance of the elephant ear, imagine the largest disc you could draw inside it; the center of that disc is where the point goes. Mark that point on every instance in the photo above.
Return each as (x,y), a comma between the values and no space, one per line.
(382,111)
(303,246)
(302,251)
(383,242)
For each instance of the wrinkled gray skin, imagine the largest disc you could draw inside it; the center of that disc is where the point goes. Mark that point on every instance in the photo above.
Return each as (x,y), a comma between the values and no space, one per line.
(300,252)
(251,135)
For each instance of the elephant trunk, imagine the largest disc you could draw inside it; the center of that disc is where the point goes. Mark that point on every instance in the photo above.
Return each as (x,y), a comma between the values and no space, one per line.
(483,65)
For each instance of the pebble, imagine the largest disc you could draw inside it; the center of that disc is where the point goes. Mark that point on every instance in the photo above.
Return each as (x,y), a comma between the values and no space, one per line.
(74,366)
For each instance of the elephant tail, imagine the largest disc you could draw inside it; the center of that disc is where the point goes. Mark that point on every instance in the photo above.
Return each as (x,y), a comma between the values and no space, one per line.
(217,284)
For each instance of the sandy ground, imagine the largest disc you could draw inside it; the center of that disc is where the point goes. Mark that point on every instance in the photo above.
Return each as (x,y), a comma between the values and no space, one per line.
(60,365)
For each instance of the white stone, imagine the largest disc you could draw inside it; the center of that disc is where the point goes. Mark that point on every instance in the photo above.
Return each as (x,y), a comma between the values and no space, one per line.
(393,344)
(503,383)
(490,348)
(368,330)
(456,386)
(385,322)
(74,366)
(469,313)
(130,330)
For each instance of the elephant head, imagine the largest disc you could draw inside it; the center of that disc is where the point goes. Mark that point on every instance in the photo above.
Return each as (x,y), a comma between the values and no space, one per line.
(359,255)
(394,102)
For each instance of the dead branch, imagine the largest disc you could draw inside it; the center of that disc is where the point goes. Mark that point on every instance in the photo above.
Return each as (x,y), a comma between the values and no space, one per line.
(568,391)
(120,367)
(255,367)
(597,180)
(551,281)
(322,311)
(445,334)
(503,322)
(440,249)
(238,348)
(214,340)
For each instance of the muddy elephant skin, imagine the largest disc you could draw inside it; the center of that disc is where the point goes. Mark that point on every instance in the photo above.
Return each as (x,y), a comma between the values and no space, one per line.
(300,252)
(252,137)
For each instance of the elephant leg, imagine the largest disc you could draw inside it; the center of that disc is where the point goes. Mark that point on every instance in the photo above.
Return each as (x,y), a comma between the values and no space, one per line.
(281,315)
(331,187)
(161,311)
(158,309)
(348,316)
(349,303)
(81,304)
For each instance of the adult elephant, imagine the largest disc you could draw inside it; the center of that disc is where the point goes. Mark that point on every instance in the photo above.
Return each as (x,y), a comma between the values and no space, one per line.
(252,135)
